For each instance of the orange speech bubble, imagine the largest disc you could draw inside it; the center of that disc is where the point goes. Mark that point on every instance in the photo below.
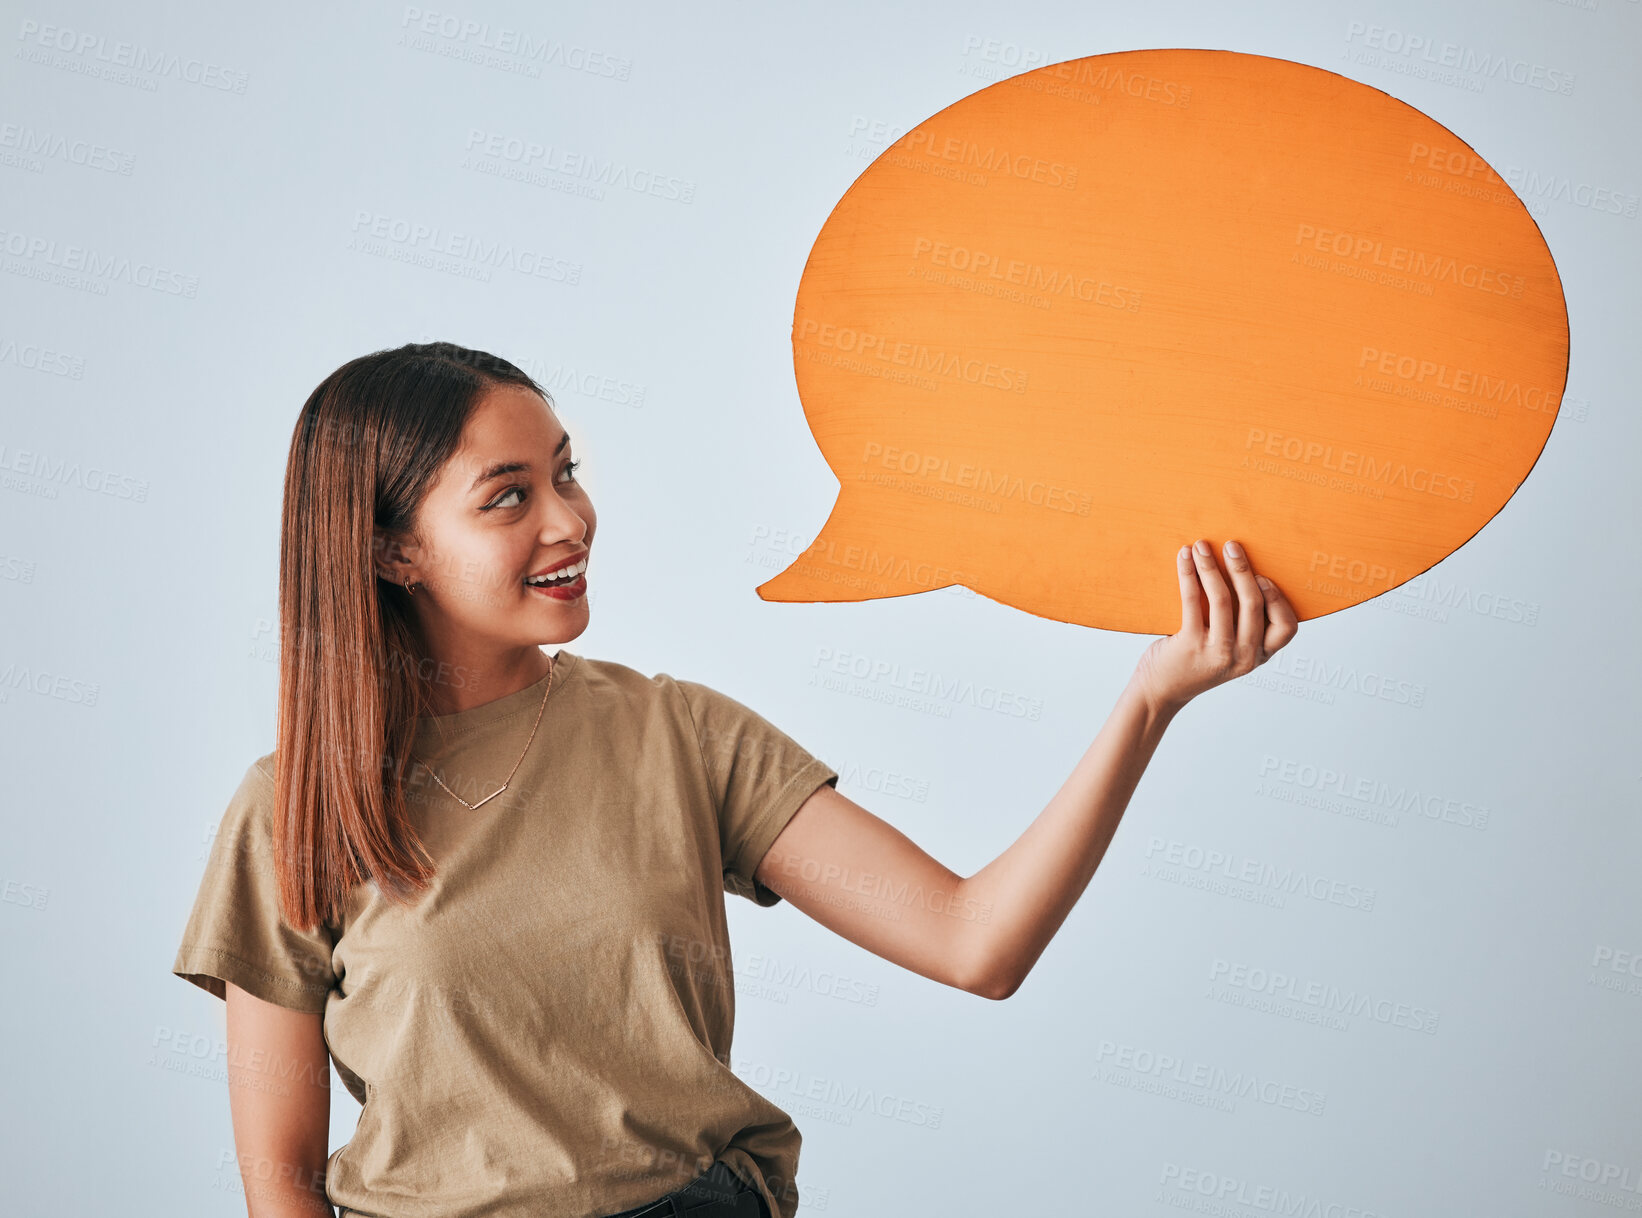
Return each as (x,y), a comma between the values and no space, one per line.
(1097,310)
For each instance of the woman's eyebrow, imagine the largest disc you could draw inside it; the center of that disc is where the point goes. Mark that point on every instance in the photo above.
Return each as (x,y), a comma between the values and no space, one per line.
(498,468)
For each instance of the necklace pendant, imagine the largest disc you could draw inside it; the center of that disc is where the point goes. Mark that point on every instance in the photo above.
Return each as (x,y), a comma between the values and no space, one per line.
(516,764)
(487,798)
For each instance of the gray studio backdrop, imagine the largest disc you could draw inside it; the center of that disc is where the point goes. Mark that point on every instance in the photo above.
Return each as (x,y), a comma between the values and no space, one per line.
(206,210)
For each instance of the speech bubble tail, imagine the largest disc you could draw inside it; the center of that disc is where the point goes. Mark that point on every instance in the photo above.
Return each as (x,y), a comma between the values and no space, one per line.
(800,584)
(812,580)
(869,549)
(804,584)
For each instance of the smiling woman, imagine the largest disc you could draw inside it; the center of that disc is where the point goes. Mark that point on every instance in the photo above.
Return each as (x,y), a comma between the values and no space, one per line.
(402,594)
(500,545)
(485,881)
(488,882)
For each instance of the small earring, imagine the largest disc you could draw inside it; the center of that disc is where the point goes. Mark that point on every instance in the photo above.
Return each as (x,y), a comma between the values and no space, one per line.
(410,587)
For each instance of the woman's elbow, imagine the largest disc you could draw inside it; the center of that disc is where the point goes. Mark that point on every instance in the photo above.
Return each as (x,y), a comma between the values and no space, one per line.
(990,978)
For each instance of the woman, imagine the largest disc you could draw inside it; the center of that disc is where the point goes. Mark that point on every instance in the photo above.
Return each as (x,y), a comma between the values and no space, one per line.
(489,883)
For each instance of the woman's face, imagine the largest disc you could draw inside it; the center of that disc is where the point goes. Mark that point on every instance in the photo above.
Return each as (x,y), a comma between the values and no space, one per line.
(504,507)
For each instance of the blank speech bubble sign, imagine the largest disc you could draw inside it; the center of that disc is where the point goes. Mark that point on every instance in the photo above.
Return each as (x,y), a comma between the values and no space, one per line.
(1097,310)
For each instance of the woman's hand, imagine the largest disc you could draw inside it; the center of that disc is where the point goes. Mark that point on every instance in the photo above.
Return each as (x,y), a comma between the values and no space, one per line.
(1244,629)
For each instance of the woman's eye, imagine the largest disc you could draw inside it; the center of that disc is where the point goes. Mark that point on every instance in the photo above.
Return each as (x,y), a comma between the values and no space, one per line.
(517,492)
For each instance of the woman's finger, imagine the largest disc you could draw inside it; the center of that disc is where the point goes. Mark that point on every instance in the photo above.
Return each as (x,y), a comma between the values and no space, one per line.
(1220,597)
(1251,607)
(1282,623)
(1191,606)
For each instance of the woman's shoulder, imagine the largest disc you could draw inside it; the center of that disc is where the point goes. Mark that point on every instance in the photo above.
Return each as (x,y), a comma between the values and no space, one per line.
(249,807)
(246,804)
(253,798)
(612,676)
(267,766)
(622,690)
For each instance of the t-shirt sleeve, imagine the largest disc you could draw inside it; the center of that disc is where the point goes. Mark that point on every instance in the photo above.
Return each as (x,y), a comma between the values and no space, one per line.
(759,776)
(235,932)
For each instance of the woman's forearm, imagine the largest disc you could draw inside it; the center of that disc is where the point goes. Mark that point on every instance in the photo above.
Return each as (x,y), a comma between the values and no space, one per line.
(268,1199)
(300,1197)
(1032,886)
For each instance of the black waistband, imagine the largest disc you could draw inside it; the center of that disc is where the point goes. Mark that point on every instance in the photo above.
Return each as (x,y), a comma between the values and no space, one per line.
(716,1193)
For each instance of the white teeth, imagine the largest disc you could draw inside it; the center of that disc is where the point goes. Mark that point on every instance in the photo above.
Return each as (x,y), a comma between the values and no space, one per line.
(564,573)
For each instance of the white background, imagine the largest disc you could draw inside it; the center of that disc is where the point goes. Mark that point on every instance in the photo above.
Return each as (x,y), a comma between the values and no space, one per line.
(143,434)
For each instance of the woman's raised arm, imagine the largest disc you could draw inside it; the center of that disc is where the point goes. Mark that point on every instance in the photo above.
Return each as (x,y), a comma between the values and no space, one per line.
(862,878)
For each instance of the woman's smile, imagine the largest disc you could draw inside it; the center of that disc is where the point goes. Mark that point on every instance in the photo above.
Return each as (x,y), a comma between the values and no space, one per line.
(573,590)
(562,581)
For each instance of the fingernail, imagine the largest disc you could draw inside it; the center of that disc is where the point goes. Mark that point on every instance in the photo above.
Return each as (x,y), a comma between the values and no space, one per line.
(1263,582)
(1235,550)
(1184,551)
(1203,549)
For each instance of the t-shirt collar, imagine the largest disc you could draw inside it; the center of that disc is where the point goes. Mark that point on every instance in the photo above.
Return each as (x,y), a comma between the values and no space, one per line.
(434,730)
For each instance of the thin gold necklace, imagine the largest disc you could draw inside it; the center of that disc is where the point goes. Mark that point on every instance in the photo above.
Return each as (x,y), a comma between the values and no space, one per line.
(552,665)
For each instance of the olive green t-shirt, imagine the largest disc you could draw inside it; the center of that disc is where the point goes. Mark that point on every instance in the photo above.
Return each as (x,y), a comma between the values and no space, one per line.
(545,1032)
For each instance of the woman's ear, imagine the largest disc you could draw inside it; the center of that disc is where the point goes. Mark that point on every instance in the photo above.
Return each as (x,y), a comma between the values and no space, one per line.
(394,557)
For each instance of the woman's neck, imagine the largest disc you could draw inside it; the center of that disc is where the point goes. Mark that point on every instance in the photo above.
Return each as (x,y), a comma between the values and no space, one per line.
(451,687)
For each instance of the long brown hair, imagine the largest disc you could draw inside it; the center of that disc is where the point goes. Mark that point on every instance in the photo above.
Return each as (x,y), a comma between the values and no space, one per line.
(366,450)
